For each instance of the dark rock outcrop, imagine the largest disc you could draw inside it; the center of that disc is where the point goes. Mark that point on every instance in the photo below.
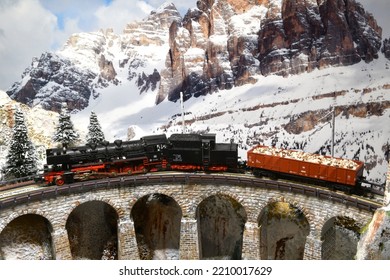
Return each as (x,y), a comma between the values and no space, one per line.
(51,81)
(386,48)
(146,82)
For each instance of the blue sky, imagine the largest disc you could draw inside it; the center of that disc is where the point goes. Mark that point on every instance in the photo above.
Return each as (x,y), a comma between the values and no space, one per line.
(89,13)
(30,27)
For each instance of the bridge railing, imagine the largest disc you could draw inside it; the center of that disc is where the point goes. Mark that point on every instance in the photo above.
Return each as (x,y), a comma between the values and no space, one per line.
(17,180)
(186,178)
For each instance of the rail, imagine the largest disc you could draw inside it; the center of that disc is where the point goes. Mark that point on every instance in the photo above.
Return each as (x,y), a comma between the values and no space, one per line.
(187,178)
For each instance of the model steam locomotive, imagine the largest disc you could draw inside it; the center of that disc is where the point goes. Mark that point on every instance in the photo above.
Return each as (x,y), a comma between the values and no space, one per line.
(180,152)
(195,152)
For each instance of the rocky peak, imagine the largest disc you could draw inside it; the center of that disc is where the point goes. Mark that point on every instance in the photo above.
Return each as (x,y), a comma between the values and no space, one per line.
(52,80)
(165,15)
(239,6)
(153,27)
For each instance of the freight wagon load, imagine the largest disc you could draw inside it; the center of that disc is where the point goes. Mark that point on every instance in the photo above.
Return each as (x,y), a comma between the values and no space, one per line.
(273,161)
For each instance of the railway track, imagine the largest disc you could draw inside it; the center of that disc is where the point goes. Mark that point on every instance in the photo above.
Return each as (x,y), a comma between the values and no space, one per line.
(28,193)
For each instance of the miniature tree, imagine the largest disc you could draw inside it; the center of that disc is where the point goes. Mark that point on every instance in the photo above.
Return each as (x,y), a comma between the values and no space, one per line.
(65,132)
(95,134)
(21,159)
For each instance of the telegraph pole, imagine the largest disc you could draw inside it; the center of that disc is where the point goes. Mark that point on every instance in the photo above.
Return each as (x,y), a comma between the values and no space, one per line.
(333,129)
(182,113)
(332,125)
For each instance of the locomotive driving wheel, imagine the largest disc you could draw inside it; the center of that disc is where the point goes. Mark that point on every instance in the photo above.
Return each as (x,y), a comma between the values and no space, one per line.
(59,181)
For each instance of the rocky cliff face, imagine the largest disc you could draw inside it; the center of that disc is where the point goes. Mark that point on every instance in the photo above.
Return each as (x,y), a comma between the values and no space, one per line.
(217,45)
(227,43)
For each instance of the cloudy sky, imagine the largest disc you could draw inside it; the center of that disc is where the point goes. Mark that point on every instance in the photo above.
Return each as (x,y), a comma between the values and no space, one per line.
(30,27)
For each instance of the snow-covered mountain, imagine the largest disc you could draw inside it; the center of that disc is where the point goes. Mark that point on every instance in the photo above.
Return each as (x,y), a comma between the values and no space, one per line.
(216,46)
(259,72)
(90,62)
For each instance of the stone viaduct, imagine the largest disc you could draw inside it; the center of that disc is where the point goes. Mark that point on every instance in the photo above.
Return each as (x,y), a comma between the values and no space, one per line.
(250,201)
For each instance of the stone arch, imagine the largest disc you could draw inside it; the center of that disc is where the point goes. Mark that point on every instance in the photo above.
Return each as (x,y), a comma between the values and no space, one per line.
(77,202)
(95,216)
(211,192)
(27,237)
(340,236)
(283,228)
(308,215)
(221,220)
(157,221)
(17,214)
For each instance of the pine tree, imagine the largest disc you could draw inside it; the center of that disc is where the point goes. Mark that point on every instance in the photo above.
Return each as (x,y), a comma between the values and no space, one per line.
(21,159)
(95,134)
(65,132)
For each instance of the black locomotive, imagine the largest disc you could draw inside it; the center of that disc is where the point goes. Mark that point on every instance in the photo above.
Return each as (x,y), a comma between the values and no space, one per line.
(191,152)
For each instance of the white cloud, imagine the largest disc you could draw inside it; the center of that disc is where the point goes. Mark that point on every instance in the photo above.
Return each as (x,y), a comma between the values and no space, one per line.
(24,34)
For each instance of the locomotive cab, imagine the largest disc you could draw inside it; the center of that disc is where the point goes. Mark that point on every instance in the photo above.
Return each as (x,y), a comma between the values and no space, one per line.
(208,144)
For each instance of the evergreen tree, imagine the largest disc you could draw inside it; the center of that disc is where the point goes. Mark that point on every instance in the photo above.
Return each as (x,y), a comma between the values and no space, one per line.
(65,132)
(95,134)
(21,159)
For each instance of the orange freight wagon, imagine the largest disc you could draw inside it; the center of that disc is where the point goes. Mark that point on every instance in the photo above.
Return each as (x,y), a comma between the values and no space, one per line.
(265,159)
